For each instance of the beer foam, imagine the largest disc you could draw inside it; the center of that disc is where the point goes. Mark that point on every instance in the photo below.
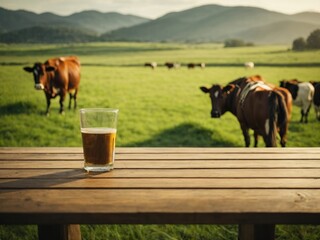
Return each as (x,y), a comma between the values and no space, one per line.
(98,130)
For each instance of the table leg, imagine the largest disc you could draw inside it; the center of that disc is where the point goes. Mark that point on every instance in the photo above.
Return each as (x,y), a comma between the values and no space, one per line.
(256,232)
(59,232)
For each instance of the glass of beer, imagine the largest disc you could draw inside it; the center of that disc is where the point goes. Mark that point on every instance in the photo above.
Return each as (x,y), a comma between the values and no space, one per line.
(98,130)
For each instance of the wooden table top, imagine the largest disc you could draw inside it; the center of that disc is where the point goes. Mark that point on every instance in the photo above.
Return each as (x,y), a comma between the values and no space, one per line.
(162,185)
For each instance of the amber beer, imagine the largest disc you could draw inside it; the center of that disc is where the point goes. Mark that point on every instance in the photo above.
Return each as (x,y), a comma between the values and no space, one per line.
(98,147)
(98,130)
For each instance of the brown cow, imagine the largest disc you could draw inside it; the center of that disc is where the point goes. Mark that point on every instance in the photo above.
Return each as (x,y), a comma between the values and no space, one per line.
(193,65)
(255,107)
(56,77)
(285,92)
(287,98)
(170,65)
(153,65)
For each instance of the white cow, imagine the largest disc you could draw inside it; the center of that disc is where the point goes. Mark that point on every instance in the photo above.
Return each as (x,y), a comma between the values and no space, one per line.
(249,64)
(153,65)
(302,95)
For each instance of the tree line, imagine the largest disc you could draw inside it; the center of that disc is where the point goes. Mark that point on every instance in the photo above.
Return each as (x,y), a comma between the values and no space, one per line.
(299,44)
(312,42)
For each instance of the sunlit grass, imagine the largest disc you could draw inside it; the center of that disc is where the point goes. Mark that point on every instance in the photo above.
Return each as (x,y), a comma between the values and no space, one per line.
(156,107)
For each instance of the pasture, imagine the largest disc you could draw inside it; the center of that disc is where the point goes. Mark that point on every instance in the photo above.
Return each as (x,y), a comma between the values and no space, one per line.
(158,108)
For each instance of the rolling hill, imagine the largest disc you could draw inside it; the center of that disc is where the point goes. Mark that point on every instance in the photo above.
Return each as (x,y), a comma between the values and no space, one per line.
(104,22)
(218,23)
(278,32)
(208,23)
(91,21)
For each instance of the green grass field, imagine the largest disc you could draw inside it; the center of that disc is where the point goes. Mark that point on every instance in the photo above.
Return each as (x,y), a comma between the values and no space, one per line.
(158,108)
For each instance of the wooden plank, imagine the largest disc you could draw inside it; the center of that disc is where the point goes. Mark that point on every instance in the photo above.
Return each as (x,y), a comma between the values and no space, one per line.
(160,183)
(149,200)
(161,150)
(160,206)
(217,150)
(169,164)
(166,156)
(22,150)
(218,156)
(155,173)
(41,156)
(41,164)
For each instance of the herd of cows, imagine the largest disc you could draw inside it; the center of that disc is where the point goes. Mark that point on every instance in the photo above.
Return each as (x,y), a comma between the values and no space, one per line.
(264,107)
(171,65)
(257,104)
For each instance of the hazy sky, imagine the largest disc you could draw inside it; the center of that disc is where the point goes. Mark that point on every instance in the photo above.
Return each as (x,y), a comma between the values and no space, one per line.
(152,8)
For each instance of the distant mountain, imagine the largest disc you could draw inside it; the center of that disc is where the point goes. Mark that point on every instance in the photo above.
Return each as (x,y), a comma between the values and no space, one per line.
(104,22)
(279,32)
(310,17)
(93,21)
(218,23)
(208,23)
(20,19)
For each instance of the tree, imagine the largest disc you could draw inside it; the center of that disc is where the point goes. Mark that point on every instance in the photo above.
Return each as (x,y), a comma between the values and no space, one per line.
(299,44)
(313,41)
(237,43)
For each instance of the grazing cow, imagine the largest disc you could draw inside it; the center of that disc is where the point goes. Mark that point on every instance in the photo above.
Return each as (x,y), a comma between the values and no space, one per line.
(193,65)
(170,65)
(255,106)
(282,128)
(153,65)
(316,98)
(56,77)
(302,95)
(249,64)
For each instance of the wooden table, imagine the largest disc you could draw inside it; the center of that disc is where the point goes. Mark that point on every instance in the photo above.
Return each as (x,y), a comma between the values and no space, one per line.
(254,188)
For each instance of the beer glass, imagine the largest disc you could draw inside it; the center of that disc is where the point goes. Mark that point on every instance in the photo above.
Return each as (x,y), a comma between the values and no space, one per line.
(98,130)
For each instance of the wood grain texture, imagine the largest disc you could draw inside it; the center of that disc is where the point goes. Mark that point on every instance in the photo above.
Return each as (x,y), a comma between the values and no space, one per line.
(162,185)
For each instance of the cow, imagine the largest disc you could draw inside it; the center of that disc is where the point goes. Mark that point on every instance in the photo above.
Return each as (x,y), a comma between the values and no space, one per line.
(153,65)
(285,92)
(302,95)
(316,98)
(57,77)
(249,64)
(193,65)
(255,106)
(282,129)
(171,65)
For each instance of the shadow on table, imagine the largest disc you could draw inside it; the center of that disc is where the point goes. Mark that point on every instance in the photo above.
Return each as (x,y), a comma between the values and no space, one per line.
(38,180)
(185,135)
